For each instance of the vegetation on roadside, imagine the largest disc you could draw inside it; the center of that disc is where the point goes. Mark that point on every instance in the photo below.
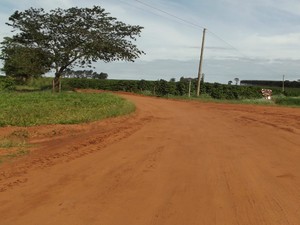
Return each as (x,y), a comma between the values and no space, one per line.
(165,88)
(291,101)
(14,145)
(30,109)
(7,83)
(8,143)
(171,89)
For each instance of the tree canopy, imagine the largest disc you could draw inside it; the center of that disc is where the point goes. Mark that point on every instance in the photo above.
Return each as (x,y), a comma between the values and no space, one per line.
(23,62)
(75,36)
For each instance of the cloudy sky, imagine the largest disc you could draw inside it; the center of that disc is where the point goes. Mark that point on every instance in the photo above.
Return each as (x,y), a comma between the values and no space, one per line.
(256,39)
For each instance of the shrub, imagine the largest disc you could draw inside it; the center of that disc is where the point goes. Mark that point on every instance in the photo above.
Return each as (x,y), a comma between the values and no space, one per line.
(7,83)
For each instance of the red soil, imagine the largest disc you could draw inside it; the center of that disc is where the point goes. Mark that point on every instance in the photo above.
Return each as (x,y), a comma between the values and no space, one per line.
(170,163)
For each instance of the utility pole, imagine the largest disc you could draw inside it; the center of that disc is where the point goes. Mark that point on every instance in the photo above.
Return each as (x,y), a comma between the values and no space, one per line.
(283,83)
(190,84)
(200,63)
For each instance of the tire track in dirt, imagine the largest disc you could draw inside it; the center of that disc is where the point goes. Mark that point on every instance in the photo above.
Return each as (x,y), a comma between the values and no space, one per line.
(66,149)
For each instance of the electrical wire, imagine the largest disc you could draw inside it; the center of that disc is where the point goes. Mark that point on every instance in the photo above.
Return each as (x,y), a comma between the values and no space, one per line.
(197,26)
(203,27)
(193,24)
(169,14)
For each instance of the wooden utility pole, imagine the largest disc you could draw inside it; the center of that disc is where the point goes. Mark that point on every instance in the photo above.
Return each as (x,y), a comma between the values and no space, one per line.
(283,83)
(200,63)
(190,84)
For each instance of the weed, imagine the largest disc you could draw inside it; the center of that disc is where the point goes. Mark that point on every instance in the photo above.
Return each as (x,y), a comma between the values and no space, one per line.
(7,143)
(21,134)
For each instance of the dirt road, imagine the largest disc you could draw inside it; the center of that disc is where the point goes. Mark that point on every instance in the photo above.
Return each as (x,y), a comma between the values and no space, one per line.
(171,163)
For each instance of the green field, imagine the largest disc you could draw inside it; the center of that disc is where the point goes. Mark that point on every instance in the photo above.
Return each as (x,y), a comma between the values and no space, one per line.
(36,108)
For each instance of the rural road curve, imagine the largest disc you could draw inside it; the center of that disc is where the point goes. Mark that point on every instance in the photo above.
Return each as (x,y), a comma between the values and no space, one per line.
(170,163)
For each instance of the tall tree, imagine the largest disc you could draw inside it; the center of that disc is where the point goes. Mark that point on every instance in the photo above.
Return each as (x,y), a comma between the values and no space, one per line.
(76,36)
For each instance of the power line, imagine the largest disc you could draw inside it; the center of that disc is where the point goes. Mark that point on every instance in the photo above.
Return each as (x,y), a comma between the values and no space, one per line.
(183,21)
(230,45)
(193,24)
(197,26)
(202,27)
(169,14)
(134,6)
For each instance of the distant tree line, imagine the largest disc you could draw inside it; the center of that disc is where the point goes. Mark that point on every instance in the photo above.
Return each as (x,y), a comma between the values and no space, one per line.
(159,87)
(89,74)
(271,83)
(164,88)
(179,88)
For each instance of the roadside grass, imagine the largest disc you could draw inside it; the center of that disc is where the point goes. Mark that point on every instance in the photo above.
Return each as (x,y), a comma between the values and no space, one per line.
(208,98)
(25,88)
(277,100)
(14,145)
(288,101)
(37,108)
(8,143)
(260,101)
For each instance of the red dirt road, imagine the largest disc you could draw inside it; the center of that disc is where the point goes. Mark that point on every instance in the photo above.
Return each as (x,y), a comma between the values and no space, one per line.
(171,163)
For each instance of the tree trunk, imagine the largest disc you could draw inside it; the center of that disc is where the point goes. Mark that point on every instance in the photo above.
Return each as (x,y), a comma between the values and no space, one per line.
(56,83)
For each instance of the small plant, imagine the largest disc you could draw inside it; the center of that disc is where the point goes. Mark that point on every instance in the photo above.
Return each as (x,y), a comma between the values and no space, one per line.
(8,143)
(14,145)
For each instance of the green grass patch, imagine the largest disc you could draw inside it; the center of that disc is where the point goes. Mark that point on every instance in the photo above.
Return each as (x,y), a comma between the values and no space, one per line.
(14,145)
(261,101)
(290,101)
(207,98)
(8,143)
(26,88)
(37,108)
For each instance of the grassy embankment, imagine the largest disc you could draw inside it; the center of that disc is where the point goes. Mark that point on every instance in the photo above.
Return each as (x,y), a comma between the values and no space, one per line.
(30,109)
(39,108)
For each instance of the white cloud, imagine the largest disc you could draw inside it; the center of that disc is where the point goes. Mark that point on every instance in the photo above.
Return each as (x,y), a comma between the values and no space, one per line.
(284,46)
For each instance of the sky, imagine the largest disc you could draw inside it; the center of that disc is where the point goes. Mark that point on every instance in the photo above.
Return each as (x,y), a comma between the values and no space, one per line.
(245,39)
